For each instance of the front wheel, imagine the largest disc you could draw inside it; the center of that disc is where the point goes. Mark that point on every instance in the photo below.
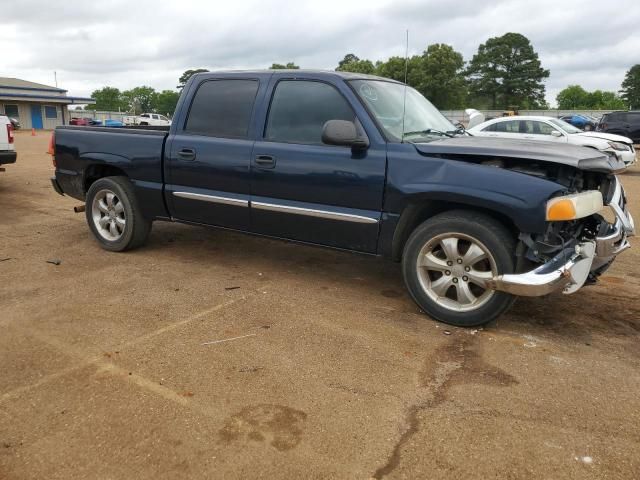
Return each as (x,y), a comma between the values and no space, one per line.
(447,261)
(114,216)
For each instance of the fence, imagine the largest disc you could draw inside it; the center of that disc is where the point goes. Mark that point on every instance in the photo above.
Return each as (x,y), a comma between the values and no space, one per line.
(459,115)
(94,115)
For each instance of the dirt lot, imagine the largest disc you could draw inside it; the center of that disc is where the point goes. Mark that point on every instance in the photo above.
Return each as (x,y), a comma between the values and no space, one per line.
(335,374)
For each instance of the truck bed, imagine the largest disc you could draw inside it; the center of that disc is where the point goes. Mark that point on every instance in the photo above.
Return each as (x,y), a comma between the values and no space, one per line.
(85,152)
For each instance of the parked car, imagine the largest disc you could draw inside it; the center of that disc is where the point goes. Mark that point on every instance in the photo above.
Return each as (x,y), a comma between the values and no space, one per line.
(113,123)
(7,146)
(16,123)
(335,159)
(85,122)
(581,121)
(548,129)
(621,123)
(152,119)
(79,121)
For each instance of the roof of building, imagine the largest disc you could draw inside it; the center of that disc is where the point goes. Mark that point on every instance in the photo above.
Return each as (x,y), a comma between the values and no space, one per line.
(19,84)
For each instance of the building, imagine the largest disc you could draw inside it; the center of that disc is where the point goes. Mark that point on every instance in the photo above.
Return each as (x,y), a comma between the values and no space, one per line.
(36,105)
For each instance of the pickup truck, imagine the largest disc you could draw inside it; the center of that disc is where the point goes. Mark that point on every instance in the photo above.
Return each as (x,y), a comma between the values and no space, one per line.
(364,164)
(7,147)
(152,119)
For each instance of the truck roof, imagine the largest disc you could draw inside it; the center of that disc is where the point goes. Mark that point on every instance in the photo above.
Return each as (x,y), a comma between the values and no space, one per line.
(305,72)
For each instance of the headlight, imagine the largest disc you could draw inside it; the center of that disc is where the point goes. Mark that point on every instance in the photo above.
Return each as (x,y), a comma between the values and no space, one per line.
(571,207)
(618,146)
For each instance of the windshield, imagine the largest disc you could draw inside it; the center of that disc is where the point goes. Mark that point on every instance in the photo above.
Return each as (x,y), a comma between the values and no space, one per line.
(567,127)
(385,101)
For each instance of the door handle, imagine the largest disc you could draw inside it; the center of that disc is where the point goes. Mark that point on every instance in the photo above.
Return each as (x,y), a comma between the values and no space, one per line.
(187,154)
(265,161)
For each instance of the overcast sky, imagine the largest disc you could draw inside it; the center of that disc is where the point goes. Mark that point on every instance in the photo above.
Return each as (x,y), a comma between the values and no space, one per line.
(126,43)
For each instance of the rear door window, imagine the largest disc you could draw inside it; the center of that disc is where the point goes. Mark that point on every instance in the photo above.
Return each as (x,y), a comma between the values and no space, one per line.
(222,108)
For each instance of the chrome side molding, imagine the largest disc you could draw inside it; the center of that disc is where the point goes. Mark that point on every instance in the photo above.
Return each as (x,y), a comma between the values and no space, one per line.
(273,207)
(213,199)
(311,212)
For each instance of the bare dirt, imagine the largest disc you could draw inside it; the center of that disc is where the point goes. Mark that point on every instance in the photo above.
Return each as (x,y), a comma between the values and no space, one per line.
(333,373)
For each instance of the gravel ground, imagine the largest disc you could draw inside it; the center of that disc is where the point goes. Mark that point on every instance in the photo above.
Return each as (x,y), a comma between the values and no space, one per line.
(331,371)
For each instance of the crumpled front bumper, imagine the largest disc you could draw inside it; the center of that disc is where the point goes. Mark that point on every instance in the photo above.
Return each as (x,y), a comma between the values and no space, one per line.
(568,270)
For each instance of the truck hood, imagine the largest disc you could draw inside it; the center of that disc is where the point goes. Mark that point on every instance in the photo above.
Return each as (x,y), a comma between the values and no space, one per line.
(574,156)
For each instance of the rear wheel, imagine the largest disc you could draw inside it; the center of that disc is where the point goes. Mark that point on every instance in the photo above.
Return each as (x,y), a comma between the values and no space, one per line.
(448,260)
(114,216)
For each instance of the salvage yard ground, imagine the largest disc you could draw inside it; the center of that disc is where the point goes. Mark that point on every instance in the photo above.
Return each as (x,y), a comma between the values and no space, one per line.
(329,370)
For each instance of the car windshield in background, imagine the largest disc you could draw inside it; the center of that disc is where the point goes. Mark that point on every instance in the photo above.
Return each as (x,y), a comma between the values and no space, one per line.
(562,125)
(385,101)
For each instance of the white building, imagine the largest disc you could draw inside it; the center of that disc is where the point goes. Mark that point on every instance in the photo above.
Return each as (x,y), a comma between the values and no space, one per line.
(36,105)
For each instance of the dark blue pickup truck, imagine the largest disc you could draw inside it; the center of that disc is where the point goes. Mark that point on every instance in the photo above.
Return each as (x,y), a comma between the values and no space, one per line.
(364,164)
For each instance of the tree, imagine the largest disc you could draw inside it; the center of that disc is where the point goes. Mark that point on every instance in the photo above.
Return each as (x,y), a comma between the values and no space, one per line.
(442,78)
(573,97)
(140,99)
(288,66)
(166,102)
(602,100)
(351,63)
(108,99)
(348,58)
(507,70)
(184,78)
(631,87)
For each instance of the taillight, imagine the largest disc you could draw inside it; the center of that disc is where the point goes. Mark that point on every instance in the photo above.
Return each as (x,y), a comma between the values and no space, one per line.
(10,132)
(52,148)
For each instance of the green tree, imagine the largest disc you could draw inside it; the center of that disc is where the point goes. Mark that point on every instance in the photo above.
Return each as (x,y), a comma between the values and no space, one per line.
(602,100)
(108,99)
(351,63)
(573,97)
(288,66)
(441,77)
(140,99)
(631,87)
(166,102)
(507,70)
(184,78)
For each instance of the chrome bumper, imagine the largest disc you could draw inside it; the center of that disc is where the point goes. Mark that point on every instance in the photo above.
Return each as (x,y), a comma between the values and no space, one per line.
(568,270)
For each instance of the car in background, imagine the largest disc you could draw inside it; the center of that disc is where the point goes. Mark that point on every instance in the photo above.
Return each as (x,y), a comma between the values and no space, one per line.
(555,130)
(113,123)
(581,121)
(150,119)
(16,123)
(621,123)
(7,147)
(79,121)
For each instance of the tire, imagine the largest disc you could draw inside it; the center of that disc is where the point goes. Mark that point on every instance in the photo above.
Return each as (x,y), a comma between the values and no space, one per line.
(114,216)
(478,247)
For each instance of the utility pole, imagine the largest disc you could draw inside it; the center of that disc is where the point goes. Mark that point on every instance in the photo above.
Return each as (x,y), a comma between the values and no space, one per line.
(55,77)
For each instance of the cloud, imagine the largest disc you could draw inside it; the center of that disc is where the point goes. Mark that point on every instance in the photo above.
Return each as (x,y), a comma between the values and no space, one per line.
(123,43)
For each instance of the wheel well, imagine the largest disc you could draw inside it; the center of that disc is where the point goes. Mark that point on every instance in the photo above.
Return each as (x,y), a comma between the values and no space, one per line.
(96,172)
(415,214)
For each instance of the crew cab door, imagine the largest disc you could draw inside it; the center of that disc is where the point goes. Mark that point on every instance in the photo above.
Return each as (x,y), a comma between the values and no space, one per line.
(305,190)
(208,157)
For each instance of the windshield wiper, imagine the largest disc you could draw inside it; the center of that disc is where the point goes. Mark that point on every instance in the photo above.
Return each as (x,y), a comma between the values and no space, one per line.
(427,132)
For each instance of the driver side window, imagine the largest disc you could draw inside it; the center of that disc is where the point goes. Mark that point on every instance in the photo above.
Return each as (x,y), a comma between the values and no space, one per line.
(299,109)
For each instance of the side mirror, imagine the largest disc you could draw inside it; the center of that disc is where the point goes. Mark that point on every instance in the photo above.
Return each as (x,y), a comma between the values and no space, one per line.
(556,133)
(343,133)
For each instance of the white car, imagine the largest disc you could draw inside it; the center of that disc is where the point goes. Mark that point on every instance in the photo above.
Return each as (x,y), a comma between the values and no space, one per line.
(555,130)
(154,119)
(7,147)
